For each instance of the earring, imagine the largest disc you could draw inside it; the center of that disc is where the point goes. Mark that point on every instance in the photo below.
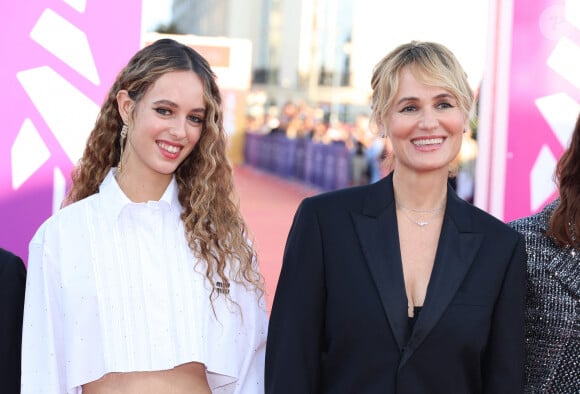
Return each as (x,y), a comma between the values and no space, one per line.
(124,130)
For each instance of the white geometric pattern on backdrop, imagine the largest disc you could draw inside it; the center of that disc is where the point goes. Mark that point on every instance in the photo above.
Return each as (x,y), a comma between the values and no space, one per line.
(63,107)
(559,110)
(541,185)
(572,12)
(23,163)
(79,5)
(67,42)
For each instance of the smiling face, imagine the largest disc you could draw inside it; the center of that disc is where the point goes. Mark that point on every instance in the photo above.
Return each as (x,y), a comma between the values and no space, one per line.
(425,125)
(164,125)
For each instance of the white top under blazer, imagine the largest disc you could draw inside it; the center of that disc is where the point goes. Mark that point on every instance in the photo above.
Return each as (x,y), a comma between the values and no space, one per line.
(112,286)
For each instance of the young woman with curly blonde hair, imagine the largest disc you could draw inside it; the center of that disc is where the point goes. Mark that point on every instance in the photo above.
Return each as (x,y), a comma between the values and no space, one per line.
(146,282)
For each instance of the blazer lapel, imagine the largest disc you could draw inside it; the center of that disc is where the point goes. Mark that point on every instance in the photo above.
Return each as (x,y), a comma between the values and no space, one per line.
(565,266)
(376,227)
(456,251)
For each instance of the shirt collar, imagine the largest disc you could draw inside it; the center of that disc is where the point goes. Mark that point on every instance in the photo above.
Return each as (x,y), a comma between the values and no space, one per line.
(115,200)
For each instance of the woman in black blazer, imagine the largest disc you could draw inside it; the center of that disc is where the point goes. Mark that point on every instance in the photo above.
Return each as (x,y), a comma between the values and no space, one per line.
(400,286)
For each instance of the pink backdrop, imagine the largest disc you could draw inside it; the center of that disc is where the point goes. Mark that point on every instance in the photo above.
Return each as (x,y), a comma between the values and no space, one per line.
(58,60)
(530,101)
(541,89)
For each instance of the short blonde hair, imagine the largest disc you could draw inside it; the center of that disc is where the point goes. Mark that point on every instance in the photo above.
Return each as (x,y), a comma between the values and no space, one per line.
(431,63)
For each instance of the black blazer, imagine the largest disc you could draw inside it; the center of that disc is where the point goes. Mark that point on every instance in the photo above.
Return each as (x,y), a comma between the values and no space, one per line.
(12,283)
(339,319)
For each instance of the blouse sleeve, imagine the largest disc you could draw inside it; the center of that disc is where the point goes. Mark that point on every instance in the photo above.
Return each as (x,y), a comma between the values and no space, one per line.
(237,342)
(252,342)
(251,378)
(42,334)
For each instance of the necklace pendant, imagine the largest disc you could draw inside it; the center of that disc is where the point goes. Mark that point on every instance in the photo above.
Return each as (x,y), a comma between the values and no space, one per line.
(422,223)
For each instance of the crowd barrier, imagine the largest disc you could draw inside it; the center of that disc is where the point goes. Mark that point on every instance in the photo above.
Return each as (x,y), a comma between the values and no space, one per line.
(325,166)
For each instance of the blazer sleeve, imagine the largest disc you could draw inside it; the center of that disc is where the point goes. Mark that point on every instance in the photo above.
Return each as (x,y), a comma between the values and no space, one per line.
(42,336)
(295,332)
(12,279)
(505,358)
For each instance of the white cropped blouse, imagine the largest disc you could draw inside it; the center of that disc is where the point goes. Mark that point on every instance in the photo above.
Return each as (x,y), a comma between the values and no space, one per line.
(112,286)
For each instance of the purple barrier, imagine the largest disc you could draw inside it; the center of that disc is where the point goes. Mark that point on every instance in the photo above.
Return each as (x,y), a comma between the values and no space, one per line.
(314,164)
(285,157)
(326,166)
(341,169)
(300,155)
(252,149)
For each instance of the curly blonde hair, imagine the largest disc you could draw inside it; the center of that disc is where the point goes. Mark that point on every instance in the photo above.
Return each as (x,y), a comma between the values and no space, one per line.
(215,229)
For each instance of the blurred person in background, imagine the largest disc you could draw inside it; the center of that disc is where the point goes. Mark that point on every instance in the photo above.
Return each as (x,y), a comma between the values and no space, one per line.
(400,286)
(357,145)
(369,152)
(466,167)
(553,289)
(12,282)
(387,160)
(374,154)
(146,282)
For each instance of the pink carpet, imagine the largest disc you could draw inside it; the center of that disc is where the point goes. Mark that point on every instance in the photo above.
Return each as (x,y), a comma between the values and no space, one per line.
(268,205)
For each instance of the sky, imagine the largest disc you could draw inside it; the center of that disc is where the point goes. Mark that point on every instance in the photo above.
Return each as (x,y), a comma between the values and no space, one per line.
(155,13)
(460,25)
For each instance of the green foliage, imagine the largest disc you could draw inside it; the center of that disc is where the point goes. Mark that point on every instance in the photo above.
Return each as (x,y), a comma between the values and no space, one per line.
(168,29)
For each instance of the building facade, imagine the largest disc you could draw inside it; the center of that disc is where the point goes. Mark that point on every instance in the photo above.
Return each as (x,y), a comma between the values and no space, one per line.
(323,51)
